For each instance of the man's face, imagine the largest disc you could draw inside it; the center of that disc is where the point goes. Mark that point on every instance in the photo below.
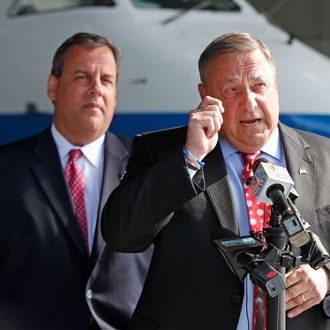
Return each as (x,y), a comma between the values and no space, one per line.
(85,94)
(247,87)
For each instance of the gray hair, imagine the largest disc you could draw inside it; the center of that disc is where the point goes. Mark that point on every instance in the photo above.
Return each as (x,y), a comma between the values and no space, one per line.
(239,42)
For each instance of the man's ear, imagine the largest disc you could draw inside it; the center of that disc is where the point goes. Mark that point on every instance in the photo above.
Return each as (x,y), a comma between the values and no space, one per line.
(51,87)
(202,90)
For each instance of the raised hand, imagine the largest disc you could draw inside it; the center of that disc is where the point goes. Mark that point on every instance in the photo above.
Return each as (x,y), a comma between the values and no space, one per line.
(204,124)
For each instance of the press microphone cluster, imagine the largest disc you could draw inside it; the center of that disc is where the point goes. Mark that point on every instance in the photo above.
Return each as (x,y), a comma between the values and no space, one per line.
(273,185)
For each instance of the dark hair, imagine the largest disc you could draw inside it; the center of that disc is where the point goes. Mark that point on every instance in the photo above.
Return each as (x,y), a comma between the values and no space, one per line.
(82,38)
(239,42)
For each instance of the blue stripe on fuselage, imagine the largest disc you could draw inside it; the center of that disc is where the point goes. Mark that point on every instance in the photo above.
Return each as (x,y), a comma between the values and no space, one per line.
(14,127)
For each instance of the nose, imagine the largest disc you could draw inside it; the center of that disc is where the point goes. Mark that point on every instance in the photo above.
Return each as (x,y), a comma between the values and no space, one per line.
(248,100)
(96,87)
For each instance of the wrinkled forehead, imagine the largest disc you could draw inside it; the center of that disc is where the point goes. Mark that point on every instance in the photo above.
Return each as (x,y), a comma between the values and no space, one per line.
(253,64)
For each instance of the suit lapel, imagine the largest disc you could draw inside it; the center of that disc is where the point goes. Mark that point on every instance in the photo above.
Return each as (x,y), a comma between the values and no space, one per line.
(218,189)
(49,174)
(301,164)
(115,155)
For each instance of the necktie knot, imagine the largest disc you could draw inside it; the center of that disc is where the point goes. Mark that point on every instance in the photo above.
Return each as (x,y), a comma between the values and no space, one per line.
(74,154)
(249,159)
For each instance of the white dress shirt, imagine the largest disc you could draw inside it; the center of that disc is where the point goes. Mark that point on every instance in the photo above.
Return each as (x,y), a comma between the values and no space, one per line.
(90,165)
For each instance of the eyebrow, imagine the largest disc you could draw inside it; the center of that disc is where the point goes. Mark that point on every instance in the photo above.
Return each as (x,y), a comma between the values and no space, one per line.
(110,75)
(233,80)
(79,71)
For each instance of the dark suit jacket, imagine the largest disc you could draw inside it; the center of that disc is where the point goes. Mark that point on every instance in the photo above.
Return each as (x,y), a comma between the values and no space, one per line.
(44,266)
(189,285)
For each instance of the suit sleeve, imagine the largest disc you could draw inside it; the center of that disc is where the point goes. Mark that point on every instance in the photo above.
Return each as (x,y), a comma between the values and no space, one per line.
(155,184)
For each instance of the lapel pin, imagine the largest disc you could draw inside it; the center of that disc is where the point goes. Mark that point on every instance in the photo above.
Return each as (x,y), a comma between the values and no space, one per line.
(302,170)
(121,176)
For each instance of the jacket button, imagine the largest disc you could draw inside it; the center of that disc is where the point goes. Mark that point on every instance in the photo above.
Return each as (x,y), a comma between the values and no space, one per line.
(236,299)
(89,294)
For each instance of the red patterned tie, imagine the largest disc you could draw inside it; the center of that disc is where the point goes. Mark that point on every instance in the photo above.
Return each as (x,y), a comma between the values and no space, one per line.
(76,187)
(258,216)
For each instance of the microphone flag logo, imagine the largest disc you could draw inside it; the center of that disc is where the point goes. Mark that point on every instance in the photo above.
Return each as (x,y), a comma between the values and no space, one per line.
(266,175)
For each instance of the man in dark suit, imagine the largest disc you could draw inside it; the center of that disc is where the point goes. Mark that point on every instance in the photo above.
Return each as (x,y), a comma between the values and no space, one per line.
(50,279)
(183,185)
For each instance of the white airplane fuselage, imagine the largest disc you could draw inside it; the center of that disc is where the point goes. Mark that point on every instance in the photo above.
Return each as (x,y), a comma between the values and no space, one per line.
(158,74)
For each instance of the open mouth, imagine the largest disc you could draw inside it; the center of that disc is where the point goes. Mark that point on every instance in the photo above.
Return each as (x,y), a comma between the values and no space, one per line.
(250,122)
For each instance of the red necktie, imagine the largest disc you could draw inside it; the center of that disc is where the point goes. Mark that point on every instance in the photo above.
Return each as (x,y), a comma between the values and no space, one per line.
(76,187)
(258,217)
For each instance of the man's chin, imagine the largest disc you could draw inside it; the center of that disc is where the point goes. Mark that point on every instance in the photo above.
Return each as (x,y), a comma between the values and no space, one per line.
(257,140)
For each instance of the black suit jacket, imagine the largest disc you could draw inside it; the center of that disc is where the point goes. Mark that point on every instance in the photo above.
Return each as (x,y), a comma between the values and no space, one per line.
(44,266)
(189,285)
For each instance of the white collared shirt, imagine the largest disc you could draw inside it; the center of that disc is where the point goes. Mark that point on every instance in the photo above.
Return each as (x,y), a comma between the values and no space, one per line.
(91,167)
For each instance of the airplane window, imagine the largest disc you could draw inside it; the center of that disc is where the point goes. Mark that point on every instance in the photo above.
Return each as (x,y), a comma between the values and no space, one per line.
(25,7)
(221,5)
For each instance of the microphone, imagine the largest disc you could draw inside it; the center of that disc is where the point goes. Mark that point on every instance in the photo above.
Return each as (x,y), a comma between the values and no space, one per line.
(231,246)
(273,184)
(269,177)
(242,256)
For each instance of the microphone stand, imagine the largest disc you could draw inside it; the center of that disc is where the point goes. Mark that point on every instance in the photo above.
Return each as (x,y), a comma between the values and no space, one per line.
(275,306)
